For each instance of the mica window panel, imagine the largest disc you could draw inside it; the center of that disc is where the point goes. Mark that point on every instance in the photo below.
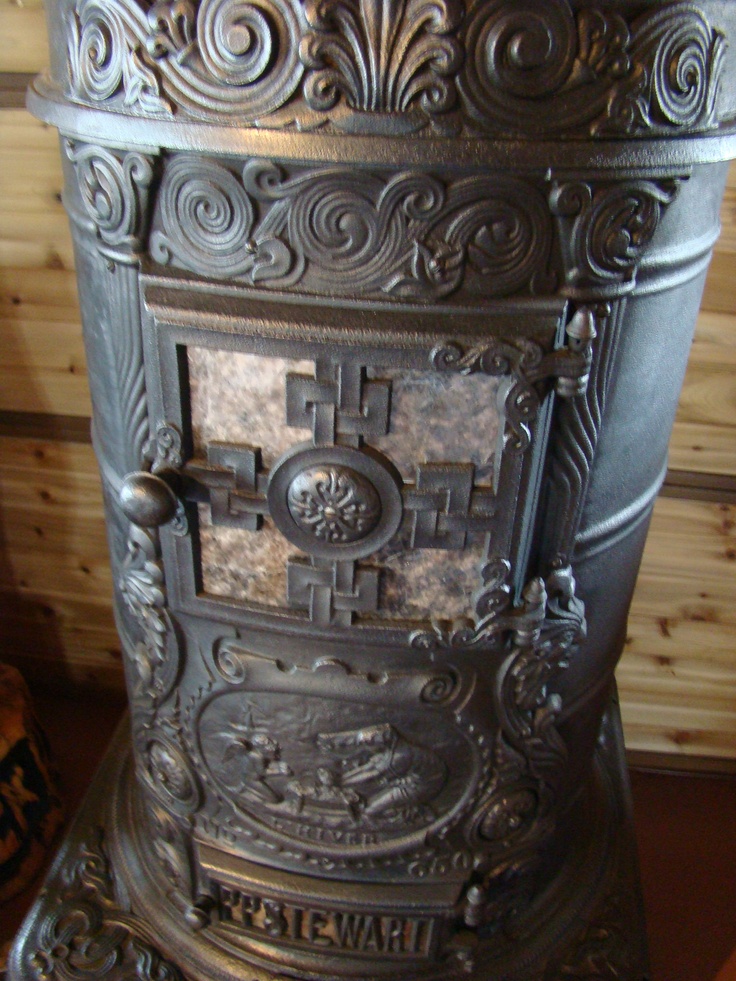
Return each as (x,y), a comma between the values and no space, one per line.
(441,418)
(238,397)
(241,398)
(434,418)
(244,565)
(428,583)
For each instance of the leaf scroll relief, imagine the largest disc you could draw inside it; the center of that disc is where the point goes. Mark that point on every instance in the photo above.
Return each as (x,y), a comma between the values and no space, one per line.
(148,502)
(86,934)
(382,58)
(484,68)
(114,189)
(516,816)
(143,589)
(346,232)
(606,228)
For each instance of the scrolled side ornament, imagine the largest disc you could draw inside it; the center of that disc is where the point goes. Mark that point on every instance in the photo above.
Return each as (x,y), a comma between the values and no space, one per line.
(516,818)
(211,59)
(87,933)
(148,501)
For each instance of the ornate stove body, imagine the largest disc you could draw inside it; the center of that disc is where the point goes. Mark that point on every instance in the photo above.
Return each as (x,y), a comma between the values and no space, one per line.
(387,306)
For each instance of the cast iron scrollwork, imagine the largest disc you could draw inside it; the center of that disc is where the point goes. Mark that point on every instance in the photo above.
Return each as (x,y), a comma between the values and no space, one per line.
(528,65)
(605,230)
(87,933)
(148,501)
(106,60)
(500,68)
(114,189)
(674,77)
(143,589)
(382,58)
(330,229)
(214,57)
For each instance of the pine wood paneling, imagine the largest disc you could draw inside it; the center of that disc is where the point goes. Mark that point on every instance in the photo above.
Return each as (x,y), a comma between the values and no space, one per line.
(67,642)
(55,583)
(677,678)
(704,437)
(33,228)
(24,47)
(720,287)
(42,365)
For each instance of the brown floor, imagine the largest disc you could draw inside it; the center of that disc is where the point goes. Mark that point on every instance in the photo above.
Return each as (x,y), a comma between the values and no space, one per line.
(686,828)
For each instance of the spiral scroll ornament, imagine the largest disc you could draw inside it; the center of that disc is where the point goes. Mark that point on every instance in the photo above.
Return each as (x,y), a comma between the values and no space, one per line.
(106,61)
(606,229)
(114,190)
(339,231)
(526,49)
(535,68)
(681,70)
(484,67)
(526,62)
(80,937)
(358,225)
(102,46)
(251,48)
(440,688)
(209,217)
(236,42)
(676,68)
(231,667)
(209,58)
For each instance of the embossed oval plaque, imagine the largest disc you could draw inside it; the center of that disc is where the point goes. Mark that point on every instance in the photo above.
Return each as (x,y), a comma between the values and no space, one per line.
(335,773)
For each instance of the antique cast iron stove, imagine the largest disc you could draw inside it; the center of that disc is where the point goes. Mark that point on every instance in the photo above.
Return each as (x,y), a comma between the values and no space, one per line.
(387,306)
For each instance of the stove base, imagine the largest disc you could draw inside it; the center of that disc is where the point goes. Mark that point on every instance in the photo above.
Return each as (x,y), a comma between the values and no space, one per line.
(103,915)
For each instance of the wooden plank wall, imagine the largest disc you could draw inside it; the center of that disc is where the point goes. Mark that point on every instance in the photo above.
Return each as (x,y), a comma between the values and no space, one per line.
(678,675)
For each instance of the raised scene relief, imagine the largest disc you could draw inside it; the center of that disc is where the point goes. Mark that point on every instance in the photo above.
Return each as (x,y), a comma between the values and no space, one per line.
(333,770)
